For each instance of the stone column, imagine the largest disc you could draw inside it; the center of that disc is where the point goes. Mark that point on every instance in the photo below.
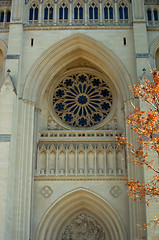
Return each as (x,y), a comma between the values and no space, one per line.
(138,210)
(101,12)
(116,13)
(86,12)
(137,214)
(40,20)
(153,19)
(55,13)
(20,171)
(7,96)
(70,12)
(142,61)
(17,213)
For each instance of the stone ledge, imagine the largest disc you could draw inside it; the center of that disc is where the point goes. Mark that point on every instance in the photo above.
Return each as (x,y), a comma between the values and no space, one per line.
(84,178)
(73,27)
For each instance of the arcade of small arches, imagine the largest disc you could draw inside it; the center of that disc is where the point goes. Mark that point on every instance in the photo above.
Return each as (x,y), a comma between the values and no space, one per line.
(79,12)
(91,12)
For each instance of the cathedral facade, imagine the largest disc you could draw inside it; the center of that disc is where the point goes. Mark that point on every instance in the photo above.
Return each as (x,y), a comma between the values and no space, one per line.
(66,68)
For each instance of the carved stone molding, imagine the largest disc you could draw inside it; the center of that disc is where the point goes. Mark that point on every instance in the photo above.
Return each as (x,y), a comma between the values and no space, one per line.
(83,227)
(41,28)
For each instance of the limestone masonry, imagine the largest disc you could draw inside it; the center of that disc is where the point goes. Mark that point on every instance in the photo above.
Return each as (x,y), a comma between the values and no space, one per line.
(66,68)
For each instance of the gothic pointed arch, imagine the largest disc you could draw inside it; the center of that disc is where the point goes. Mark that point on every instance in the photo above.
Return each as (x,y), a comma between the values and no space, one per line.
(65,52)
(74,204)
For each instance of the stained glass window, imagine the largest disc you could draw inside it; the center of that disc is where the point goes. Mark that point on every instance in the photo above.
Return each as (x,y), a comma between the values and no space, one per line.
(1,16)
(82,100)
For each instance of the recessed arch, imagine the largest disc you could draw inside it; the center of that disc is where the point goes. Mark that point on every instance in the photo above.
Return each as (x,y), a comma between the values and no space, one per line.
(153,49)
(68,50)
(78,201)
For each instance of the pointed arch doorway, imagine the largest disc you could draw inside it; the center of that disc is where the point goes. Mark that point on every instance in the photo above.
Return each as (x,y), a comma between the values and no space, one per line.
(81,215)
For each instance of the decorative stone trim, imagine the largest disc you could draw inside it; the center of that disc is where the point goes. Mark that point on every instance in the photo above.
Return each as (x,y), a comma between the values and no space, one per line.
(154,28)
(115,191)
(5,3)
(87,178)
(6,30)
(94,136)
(83,227)
(46,28)
(52,124)
(27,102)
(149,2)
(46,192)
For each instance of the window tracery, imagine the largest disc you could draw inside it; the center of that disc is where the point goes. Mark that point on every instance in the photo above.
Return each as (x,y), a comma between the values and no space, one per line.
(82,100)
(63,13)
(78,13)
(93,12)
(48,12)
(123,12)
(108,12)
(33,13)
(155,12)
(149,15)
(152,15)
(5,17)
(1,16)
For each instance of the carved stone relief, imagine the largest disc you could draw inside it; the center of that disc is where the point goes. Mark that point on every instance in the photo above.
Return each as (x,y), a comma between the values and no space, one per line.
(83,227)
(53,125)
(46,191)
(115,191)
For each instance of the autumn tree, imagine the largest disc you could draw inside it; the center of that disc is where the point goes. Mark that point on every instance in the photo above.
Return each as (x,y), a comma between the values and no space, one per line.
(145,124)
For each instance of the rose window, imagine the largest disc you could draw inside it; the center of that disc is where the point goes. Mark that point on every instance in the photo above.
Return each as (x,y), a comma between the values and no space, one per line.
(82,100)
